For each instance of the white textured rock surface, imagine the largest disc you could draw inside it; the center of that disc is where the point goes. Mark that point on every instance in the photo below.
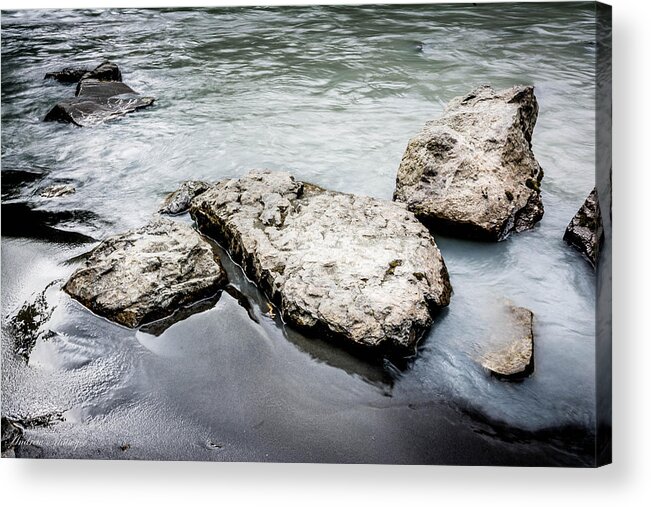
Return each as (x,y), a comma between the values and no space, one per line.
(57,191)
(514,359)
(472,173)
(147,274)
(345,266)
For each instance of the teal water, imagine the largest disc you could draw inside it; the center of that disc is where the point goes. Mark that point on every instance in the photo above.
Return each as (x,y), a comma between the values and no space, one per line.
(331,94)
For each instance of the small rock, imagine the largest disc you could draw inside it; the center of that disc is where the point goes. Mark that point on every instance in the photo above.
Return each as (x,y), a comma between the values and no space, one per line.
(147,274)
(57,191)
(514,359)
(31,323)
(67,74)
(106,71)
(355,268)
(472,173)
(100,96)
(179,201)
(585,232)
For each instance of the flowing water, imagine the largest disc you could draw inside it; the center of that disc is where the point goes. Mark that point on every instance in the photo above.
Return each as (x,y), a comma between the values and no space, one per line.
(331,94)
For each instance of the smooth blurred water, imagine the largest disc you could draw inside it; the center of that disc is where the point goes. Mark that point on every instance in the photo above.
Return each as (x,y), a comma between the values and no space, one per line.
(331,94)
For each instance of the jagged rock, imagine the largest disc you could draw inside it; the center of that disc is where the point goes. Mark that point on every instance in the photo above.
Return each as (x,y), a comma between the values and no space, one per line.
(472,173)
(513,359)
(585,232)
(57,191)
(67,74)
(106,71)
(30,323)
(147,274)
(179,201)
(100,96)
(355,268)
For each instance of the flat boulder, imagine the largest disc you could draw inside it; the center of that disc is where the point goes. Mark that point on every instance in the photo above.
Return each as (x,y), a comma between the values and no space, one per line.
(179,201)
(357,269)
(100,96)
(585,231)
(147,274)
(472,173)
(512,357)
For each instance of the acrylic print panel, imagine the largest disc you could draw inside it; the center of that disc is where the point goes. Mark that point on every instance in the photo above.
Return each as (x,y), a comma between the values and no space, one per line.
(343,234)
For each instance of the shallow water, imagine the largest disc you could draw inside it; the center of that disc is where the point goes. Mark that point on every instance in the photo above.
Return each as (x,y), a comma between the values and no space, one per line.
(331,94)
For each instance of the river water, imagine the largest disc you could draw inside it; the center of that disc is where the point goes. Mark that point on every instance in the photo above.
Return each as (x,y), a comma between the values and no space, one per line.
(331,94)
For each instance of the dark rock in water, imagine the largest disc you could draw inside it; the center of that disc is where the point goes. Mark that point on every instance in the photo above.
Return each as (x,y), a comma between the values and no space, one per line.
(585,232)
(98,101)
(147,274)
(96,89)
(106,71)
(472,173)
(179,201)
(100,96)
(513,359)
(57,191)
(20,220)
(30,323)
(67,74)
(15,182)
(358,269)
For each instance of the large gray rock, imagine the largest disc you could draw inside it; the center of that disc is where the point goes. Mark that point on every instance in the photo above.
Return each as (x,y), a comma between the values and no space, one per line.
(179,201)
(100,96)
(513,357)
(147,274)
(355,268)
(472,173)
(585,232)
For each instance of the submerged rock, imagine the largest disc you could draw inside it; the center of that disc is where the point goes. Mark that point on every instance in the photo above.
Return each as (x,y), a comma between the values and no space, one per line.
(472,173)
(147,274)
(514,358)
(355,268)
(57,191)
(100,96)
(585,232)
(179,201)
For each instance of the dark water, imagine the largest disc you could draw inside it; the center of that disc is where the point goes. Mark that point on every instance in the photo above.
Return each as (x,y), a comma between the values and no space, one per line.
(331,94)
